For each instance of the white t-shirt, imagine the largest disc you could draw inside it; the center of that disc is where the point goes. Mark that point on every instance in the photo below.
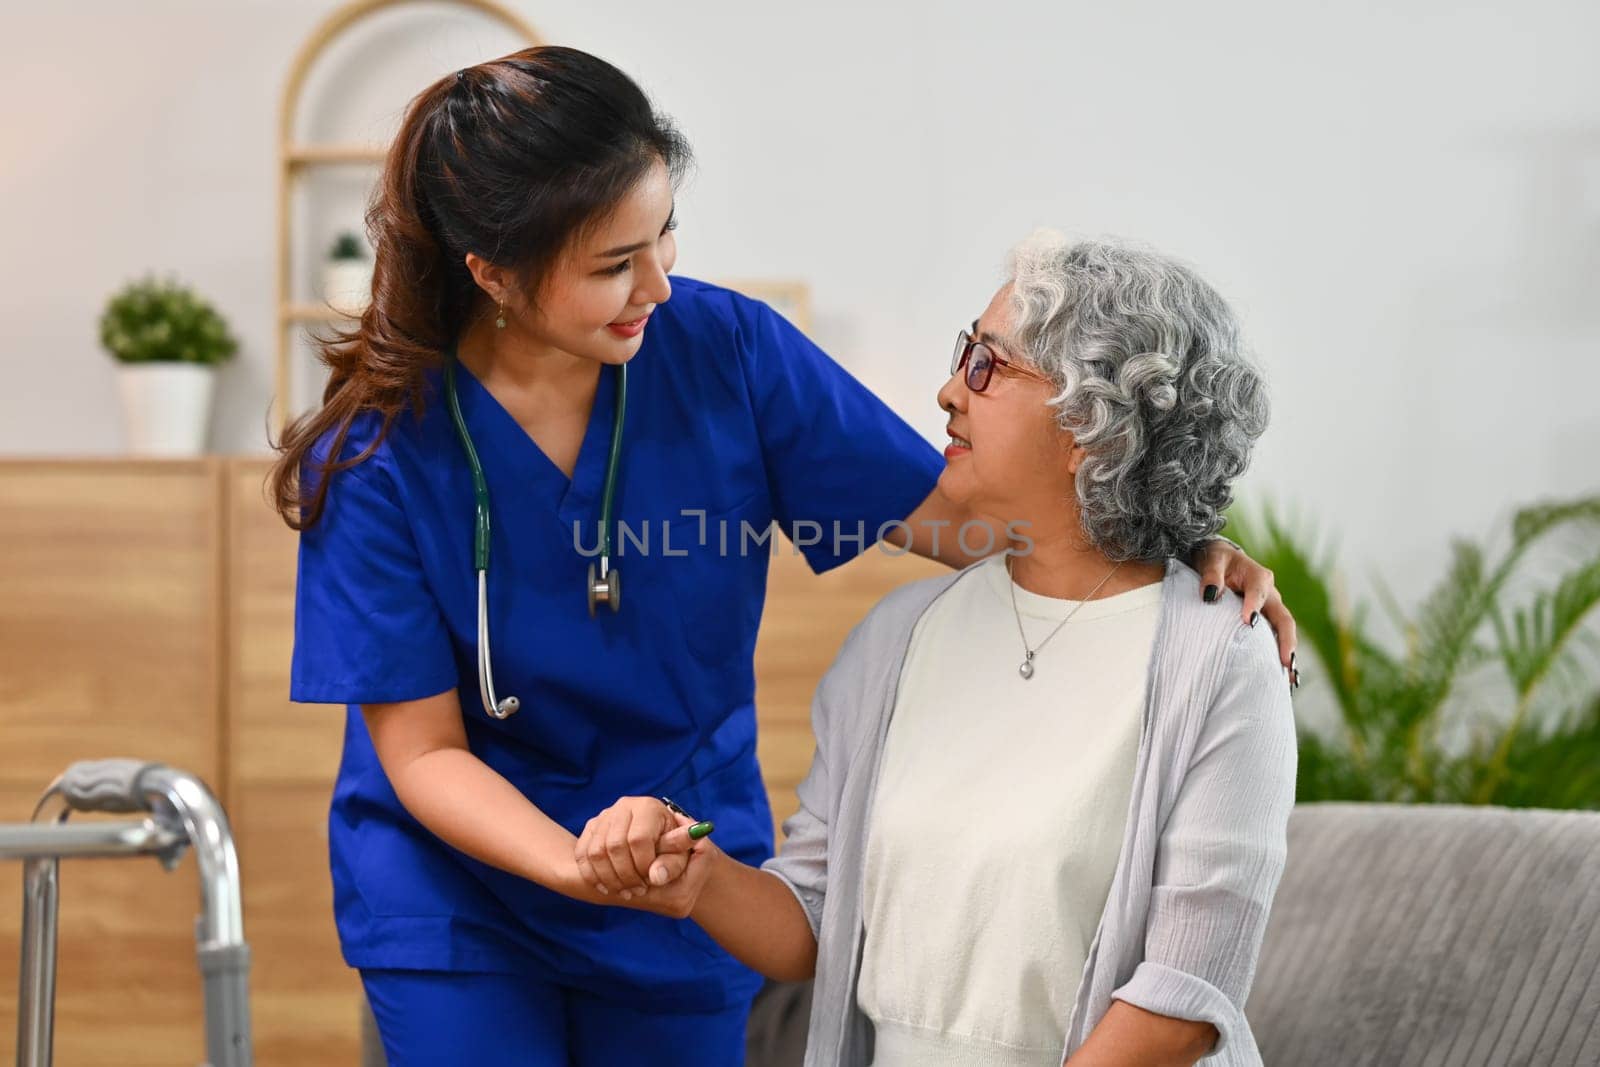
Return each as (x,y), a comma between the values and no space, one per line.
(998,820)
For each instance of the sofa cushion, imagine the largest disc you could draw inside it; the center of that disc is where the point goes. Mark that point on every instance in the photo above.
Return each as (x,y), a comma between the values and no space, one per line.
(1433,934)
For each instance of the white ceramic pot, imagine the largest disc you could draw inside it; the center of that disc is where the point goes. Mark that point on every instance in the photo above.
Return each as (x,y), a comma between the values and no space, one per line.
(347,285)
(167,407)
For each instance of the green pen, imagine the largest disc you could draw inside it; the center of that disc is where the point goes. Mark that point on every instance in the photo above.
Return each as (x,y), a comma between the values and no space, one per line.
(700,830)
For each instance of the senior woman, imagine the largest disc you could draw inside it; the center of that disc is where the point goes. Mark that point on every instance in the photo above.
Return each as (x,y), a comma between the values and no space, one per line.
(1047,812)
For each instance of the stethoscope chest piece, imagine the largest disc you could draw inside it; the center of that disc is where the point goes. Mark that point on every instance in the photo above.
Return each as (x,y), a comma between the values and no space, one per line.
(605,589)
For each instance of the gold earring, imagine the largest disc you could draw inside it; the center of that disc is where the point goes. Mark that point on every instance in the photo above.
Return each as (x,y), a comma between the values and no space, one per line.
(500,323)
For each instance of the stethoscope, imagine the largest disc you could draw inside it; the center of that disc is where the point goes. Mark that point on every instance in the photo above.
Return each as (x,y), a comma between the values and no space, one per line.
(604,588)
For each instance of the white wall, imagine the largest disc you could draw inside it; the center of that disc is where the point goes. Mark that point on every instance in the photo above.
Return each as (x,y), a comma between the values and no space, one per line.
(1403,202)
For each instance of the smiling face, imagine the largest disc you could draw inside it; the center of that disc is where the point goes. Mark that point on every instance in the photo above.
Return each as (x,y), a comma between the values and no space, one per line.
(598,299)
(595,302)
(1007,457)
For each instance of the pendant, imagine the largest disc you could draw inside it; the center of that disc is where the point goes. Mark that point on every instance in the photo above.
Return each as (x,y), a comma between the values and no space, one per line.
(1026,670)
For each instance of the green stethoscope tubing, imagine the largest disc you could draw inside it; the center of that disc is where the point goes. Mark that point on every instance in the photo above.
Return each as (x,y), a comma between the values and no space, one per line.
(607,588)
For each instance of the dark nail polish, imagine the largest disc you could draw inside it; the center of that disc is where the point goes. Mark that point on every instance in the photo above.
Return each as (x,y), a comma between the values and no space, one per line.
(1294,679)
(1254,615)
(1292,656)
(1211,594)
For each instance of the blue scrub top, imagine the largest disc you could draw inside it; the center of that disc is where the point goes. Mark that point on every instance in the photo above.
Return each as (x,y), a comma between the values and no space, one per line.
(731,412)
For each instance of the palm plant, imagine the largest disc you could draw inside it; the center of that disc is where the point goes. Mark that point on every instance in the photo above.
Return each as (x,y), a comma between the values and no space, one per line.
(1474,643)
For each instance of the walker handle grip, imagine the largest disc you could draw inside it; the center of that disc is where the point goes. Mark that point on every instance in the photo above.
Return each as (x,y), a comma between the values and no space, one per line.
(110,785)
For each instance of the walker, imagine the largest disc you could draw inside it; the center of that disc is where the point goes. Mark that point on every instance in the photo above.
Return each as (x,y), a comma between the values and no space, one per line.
(175,810)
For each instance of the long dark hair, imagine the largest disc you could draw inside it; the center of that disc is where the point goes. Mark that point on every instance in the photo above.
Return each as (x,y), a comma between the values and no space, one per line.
(510,159)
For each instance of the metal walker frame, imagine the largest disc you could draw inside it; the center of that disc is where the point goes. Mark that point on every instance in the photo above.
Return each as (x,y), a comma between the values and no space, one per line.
(177,810)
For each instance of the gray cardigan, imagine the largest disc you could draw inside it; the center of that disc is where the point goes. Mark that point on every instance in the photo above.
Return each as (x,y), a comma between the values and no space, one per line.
(1202,854)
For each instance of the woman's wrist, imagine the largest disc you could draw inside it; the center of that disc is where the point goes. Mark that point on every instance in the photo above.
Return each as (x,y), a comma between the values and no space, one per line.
(705,901)
(560,874)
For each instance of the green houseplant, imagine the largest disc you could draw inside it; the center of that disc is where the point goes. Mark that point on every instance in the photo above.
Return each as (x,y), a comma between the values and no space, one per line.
(168,343)
(347,275)
(1487,693)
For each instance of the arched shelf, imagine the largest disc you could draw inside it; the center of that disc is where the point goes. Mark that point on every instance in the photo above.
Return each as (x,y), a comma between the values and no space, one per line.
(297,157)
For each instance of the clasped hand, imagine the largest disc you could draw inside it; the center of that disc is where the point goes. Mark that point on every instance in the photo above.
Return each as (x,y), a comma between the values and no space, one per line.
(638,854)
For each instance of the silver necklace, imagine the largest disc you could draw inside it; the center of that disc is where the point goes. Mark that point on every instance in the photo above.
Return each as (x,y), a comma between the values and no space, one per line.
(1026,670)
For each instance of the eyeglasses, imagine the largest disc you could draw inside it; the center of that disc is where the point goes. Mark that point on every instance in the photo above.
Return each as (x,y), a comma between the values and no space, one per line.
(980,361)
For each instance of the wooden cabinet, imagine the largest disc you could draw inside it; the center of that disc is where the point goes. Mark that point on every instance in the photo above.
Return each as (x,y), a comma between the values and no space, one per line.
(282,758)
(110,645)
(146,610)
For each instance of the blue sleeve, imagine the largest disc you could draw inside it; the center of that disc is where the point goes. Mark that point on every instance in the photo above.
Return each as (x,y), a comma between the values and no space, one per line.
(836,456)
(367,629)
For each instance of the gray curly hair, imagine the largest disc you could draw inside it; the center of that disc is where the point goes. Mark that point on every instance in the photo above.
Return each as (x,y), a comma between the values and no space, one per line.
(1152,381)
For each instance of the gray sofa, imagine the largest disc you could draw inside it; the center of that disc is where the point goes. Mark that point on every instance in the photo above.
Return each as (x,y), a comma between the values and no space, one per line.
(1434,936)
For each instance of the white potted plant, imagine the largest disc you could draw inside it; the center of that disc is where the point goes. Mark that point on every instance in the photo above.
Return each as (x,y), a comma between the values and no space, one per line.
(347,276)
(168,344)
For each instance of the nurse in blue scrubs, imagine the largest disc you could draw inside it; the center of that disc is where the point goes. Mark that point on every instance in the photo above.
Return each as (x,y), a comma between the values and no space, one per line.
(524,239)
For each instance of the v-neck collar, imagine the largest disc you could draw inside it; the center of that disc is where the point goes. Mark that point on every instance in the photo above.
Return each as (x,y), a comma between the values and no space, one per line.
(503,443)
